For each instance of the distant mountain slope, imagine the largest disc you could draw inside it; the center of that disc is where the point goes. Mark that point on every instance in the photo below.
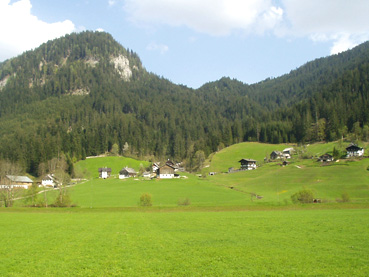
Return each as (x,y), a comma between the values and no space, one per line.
(82,93)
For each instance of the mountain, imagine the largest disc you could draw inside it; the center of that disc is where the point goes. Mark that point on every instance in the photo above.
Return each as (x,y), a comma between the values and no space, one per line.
(83,93)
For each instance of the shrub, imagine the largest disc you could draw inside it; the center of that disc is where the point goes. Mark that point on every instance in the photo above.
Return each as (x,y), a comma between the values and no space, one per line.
(303,196)
(145,200)
(184,202)
(345,197)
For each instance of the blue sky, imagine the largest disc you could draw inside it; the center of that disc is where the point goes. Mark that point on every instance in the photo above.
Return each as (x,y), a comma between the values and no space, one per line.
(192,42)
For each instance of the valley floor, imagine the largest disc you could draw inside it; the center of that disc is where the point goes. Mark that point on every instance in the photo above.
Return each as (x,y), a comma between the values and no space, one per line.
(113,242)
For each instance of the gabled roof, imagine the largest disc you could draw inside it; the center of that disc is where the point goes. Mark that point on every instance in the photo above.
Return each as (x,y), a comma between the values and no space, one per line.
(167,165)
(19,179)
(353,147)
(129,170)
(48,177)
(247,160)
(326,156)
(104,169)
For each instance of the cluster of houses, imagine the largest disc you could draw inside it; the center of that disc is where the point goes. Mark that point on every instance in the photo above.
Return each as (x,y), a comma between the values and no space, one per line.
(249,164)
(12,181)
(169,169)
(166,171)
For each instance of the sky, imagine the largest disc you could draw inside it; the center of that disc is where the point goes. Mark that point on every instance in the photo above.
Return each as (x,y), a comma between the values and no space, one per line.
(192,42)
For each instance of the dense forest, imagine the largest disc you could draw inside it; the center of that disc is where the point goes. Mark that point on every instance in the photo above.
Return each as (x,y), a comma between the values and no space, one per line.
(67,97)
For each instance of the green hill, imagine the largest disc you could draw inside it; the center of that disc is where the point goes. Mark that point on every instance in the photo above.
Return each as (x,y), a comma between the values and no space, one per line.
(274,183)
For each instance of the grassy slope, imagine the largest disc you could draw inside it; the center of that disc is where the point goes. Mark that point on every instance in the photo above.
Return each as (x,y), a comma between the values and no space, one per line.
(274,183)
(90,166)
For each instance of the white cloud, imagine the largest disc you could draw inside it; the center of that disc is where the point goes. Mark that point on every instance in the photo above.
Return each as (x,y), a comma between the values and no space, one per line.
(214,17)
(344,23)
(153,46)
(112,2)
(21,31)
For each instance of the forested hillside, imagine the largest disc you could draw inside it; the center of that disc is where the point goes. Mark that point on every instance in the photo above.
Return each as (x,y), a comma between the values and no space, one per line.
(83,93)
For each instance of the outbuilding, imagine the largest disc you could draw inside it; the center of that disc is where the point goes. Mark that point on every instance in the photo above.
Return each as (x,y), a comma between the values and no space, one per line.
(127,172)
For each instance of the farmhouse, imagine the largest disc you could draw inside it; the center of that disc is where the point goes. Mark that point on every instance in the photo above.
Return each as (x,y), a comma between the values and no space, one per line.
(104,172)
(275,155)
(146,174)
(49,181)
(155,167)
(354,151)
(287,153)
(326,158)
(127,172)
(165,172)
(17,182)
(247,164)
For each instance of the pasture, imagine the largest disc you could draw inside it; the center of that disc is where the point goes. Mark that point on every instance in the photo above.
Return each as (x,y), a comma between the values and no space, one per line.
(274,183)
(223,232)
(110,242)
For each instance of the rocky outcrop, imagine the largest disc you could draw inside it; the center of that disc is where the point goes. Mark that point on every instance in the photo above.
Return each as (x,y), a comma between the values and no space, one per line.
(121,64)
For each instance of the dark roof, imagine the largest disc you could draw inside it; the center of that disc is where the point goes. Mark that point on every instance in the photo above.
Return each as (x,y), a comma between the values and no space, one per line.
(325,157)
(104,169)
(247,160)
(353,147)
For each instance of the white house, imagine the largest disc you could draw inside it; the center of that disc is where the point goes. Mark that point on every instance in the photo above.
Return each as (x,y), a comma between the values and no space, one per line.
(49,181)
(247,164)
(166,172)
(354,151)
(155,167)
(287,153)
(104,172)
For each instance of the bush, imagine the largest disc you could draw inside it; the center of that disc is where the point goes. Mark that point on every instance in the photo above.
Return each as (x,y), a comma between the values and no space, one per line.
(303,196)
(345,197)
(184,202)
(145,200)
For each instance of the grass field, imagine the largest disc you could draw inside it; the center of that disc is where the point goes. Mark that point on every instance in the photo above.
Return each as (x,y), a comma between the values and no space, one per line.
(107,242)
(223,232)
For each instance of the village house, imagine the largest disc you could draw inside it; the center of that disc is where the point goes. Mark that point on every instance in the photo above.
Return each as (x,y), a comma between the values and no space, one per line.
(326,158)
(127,172)
(165,172)
(155,167)
(275,155)
(287,153)
(354,151)
(146,174)
(49,181)
(247,164)
(17,182)
(104,172)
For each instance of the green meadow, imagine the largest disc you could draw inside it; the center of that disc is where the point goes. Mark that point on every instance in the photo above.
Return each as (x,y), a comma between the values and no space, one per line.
(274,183)
(222,232)
(107,242)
